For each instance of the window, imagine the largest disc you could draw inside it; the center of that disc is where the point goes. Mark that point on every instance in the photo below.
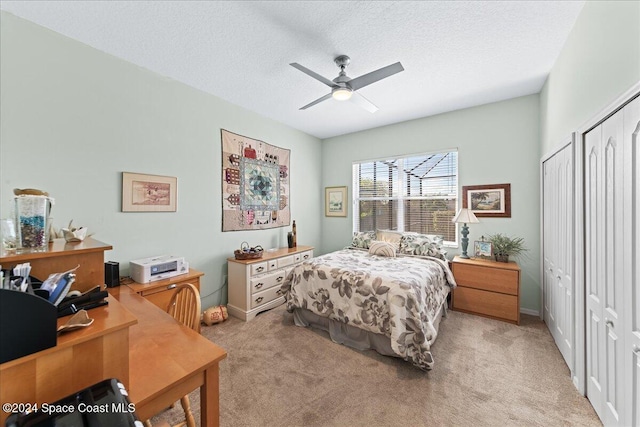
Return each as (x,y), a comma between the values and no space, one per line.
(417,193)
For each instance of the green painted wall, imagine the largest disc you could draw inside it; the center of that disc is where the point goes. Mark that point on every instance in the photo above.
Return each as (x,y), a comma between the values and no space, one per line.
(79,117)
(74,118)
(497,143)
(599,61)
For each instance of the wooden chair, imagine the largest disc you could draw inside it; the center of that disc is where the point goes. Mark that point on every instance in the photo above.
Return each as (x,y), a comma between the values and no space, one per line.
(185,308)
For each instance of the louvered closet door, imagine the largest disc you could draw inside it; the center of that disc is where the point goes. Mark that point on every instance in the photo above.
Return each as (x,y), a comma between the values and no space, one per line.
(604,250)
(558,250)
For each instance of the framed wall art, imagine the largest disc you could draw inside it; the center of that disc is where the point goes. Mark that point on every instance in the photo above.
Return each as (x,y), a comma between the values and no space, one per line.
(149,193)
(255,184)
(335,201)
(488,200)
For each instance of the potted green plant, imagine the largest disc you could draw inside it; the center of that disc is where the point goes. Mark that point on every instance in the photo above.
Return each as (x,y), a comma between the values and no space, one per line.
(504,246)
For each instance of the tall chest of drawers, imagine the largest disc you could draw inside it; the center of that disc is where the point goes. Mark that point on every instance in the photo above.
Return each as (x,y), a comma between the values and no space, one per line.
(254,285)
(487,288)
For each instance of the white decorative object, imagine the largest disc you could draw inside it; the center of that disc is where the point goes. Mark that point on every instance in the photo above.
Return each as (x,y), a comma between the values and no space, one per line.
(72,234)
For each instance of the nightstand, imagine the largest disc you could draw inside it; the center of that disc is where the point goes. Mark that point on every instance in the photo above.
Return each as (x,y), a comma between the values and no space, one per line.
(487,288)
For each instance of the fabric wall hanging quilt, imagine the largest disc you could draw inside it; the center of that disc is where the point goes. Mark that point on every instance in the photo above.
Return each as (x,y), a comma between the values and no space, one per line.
(255,184)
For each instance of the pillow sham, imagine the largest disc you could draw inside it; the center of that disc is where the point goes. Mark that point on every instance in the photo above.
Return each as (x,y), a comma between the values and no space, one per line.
(389,236)
(422,244)
(380,248)
(362,239)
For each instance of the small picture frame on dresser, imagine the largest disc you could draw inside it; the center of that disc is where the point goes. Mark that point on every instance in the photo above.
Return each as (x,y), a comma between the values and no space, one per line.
(482,249)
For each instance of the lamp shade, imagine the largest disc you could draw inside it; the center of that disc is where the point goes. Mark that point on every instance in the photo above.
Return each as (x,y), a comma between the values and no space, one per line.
(465,216)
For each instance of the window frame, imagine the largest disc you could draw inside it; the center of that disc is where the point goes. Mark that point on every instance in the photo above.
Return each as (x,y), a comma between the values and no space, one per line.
(398,187)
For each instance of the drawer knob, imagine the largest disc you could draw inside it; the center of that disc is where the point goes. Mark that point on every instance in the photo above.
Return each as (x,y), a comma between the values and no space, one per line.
(608,322)
(172,286)
(259,268)
(259,285)
(259,299)
(279,279)
(558,277)
(306,256)
(279,292)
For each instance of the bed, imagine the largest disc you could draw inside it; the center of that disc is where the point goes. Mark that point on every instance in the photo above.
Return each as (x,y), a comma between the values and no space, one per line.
(392,304)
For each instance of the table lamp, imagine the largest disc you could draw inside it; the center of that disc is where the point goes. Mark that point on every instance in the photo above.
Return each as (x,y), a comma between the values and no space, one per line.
(465,216)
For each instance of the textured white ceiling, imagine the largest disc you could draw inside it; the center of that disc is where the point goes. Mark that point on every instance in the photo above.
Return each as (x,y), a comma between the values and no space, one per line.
(456,54)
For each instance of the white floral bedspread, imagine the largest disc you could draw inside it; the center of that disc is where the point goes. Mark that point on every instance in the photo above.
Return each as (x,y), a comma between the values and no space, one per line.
(397,297)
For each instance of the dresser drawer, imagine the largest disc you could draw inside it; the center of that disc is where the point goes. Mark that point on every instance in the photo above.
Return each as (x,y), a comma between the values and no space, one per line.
(272,264)
(302,256)
(488,303)
(486,278)
(259,268)
(264,297)
(266,281)
(286,260)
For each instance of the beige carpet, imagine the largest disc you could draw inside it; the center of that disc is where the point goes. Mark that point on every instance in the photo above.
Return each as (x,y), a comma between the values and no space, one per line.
(487,373)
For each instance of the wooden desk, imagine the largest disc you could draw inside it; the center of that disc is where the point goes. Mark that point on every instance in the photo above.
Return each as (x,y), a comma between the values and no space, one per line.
(167,360)
(160,292)
(79,360)
(62,256)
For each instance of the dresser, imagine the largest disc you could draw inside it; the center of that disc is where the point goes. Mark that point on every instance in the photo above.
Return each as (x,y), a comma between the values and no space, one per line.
(254,284)
(160,292)
(487,288)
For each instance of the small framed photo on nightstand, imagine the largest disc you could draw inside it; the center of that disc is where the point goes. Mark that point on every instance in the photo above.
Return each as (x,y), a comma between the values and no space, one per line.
(482,249)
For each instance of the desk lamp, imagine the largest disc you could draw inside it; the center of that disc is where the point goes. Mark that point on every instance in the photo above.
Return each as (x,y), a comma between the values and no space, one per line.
(465,216)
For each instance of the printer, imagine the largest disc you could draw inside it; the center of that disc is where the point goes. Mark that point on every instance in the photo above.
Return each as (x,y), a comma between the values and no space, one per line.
(151,269)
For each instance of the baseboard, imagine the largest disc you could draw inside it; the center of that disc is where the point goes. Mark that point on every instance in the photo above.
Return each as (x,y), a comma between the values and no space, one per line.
(530,312)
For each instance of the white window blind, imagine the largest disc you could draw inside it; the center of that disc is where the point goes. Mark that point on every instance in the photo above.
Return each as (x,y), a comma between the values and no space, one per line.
(418,193)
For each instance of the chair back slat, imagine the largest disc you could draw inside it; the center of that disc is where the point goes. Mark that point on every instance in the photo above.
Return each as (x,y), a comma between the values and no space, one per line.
(185,306)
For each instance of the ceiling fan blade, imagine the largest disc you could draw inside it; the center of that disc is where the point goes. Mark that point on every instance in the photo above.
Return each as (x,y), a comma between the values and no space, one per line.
(313,74)
(374,76)
(363,102)
(317,101)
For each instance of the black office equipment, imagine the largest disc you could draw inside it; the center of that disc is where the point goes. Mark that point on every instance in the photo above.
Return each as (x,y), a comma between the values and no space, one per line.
(28,324)
(111,274)
(101,405)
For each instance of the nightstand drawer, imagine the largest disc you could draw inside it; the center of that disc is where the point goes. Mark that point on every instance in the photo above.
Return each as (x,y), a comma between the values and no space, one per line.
(486,278)
(488,303)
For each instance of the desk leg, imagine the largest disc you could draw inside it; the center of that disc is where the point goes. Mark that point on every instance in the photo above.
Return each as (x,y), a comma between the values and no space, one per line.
(210,398)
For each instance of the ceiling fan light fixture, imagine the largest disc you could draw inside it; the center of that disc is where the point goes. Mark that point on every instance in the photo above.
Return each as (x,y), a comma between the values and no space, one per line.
(341,93)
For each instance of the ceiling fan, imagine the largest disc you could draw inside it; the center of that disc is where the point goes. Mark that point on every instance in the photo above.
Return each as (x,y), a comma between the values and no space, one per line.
(344,87)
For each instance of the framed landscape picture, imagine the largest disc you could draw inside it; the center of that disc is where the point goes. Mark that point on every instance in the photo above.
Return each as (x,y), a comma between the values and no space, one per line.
(149,193)
(488,200)
(335,201)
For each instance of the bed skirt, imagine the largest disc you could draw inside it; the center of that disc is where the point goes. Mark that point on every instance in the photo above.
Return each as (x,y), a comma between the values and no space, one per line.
(352,336)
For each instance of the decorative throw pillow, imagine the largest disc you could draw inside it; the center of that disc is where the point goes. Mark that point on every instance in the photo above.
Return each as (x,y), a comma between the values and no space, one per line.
(422,244)
(363,239)
(389,236)
(382,248)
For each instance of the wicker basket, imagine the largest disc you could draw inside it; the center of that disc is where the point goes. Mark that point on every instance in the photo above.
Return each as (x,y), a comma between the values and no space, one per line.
(245,252)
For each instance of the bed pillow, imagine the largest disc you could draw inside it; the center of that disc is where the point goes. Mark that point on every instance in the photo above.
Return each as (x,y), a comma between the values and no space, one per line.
(382,248)
(363,239)
(422,244)
(389,236)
